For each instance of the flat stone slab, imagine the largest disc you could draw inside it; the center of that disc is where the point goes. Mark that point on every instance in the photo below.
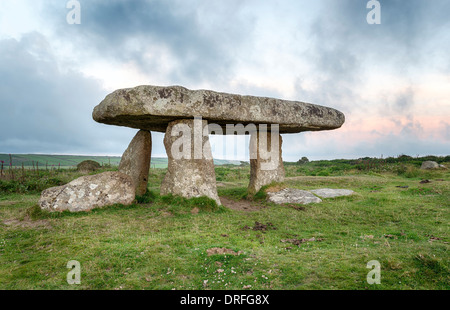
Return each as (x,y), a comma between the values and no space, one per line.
(153,107)
(331,192)
(292,195)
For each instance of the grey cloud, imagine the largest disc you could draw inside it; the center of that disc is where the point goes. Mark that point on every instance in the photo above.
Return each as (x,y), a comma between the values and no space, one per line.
(404,101)
(124,30)
(343,50)
(47,111)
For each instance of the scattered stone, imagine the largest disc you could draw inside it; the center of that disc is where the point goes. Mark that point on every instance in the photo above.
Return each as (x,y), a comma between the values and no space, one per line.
(293,195)
(87,166)
(135,160)
(89,192)
(425,181)
(331,192)
(187,176)
(429,165)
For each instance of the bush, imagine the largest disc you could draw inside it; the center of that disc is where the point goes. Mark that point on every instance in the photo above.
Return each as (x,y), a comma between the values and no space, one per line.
(303,160)
(35,212)
(148,197)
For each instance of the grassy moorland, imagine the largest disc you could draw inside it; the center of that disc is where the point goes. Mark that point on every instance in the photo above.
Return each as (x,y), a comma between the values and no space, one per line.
(52,162)
(399,216)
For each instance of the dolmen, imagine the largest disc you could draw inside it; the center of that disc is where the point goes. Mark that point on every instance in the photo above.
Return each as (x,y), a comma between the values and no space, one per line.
(188,117)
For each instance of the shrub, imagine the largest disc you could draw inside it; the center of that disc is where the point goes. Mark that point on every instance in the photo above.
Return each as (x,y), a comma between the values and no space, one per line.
(148,197)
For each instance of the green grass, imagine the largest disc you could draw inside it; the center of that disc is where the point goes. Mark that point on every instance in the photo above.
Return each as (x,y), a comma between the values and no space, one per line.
(162,242)
(44,161)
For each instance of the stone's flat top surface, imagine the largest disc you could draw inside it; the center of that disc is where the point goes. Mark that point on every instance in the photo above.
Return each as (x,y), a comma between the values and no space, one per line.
(293,195)
(153,107)
(332,192)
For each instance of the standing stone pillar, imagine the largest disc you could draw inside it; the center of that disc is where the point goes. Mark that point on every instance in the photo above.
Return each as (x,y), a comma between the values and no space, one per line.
(190,171)
(136,159)
(266,162)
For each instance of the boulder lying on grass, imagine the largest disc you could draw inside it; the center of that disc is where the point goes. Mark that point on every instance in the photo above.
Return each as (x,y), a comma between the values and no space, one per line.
(87,166)
(293,195)
(429,165)
(332,192)
(89,192)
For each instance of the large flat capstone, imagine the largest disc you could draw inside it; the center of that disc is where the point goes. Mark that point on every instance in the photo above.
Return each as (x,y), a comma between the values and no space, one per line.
(154,107)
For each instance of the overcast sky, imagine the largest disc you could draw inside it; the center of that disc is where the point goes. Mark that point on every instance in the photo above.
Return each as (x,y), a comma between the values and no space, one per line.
(391,80)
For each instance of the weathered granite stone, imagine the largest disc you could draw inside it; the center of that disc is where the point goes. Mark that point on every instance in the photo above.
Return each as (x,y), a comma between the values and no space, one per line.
(429,165)
(332,192)
(190,170)
(292,195)
(89,192)
(157,108)
(153,107)
(87,166)
(266,163)
(135,160)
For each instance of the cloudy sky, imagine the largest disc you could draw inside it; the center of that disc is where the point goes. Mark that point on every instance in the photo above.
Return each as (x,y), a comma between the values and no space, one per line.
(391,80)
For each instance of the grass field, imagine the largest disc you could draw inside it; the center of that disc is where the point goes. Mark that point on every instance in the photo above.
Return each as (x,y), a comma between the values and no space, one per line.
(44,161)
(166,242)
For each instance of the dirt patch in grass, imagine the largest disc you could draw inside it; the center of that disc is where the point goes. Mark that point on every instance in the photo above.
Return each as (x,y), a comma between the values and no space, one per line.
(260,227)
(221,251)
(27,223)
(240,205)
(298,242)
(7,203)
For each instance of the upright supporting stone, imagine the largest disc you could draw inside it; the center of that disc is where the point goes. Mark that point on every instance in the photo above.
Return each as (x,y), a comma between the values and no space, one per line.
(136,159)
(266,162)
(191,167)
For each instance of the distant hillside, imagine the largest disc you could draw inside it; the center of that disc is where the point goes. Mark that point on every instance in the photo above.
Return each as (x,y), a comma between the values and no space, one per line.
(66,161)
